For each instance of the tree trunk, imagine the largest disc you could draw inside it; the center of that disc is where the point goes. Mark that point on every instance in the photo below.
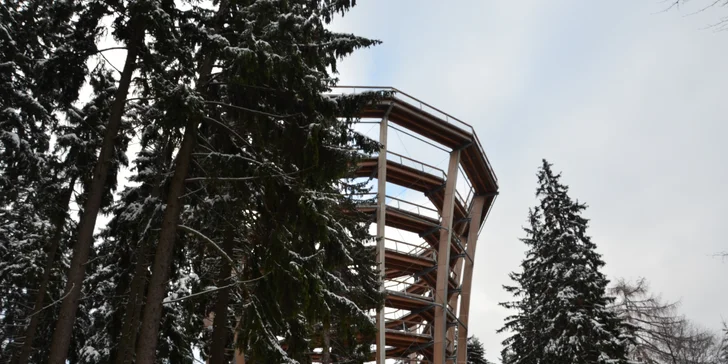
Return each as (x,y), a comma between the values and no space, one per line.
(133,309)
(239,357)
(132,314)
(326,353)
(77,271)
(147,347)
(220,332)
(58,225)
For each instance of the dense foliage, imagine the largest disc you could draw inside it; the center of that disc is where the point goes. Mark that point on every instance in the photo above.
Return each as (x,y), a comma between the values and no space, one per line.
(233,234)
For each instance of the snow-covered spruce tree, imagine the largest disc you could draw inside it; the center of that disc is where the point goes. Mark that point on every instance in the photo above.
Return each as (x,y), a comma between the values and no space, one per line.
(268,97)
(44,47)
(562,315)
(129,28)
(476,353)
(117,277)
(78,140)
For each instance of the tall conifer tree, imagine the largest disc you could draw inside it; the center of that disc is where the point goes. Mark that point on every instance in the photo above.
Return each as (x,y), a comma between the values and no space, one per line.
(562,315)
(44,46)
(267,105)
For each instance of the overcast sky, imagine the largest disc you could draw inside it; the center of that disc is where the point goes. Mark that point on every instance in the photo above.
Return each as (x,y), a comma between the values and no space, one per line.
(627,101)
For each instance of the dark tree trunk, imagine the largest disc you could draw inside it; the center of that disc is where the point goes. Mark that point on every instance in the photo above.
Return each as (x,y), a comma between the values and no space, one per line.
(132,313)
(67,316)
(220,331)
(326,353)
(58,226)
(130,326)
(147,347)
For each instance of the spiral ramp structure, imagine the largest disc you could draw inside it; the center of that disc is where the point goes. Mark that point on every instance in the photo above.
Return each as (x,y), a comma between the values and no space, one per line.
(428,279)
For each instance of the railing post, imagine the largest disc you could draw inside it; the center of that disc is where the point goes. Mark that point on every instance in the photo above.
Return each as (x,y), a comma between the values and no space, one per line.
(381,223)
(443,260)
(475,216)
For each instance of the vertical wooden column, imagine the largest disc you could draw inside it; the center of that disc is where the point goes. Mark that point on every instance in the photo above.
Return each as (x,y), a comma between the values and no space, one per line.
(443,260)
(381,223)
(453,302)
(475,216)
(451,333)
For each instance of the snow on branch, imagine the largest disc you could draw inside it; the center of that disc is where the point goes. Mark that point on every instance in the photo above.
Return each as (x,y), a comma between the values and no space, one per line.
(213,290)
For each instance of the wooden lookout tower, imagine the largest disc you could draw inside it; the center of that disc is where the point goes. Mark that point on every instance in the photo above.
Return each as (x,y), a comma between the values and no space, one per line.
(428,282)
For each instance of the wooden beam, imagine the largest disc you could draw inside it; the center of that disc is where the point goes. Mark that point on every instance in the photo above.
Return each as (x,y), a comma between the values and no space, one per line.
(381,223)
(443,260)
(453,302)
(476,214)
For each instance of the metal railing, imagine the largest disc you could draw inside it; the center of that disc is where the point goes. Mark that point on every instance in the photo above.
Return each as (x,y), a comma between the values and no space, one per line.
(415,164)
(410,162)
(412,207)
(429,169)
(398,285)
(410,248)
(415,327)
(400,204)
(430,109)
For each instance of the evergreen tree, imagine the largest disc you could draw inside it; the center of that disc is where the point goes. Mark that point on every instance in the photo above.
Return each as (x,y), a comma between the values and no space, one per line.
(287,151)
(129,24)
(44,46)
(267,199)
(476,353)
(562,315)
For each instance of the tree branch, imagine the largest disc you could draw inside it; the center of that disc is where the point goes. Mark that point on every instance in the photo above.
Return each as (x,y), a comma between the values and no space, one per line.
(214,289)
(194,179)
(52,303)
(207,240)
(251,110)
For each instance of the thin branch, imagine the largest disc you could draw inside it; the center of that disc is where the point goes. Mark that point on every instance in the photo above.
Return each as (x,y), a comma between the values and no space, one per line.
(192,192)
(109,49)
(209,241)
(220,123)
(215,289)
(109,62)
(229,156)
(251,110)
(194,179)
(73,285)
(140,98)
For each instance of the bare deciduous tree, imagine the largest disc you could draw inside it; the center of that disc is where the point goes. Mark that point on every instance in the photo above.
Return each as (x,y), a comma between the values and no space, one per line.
(662,336)
(704,5)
